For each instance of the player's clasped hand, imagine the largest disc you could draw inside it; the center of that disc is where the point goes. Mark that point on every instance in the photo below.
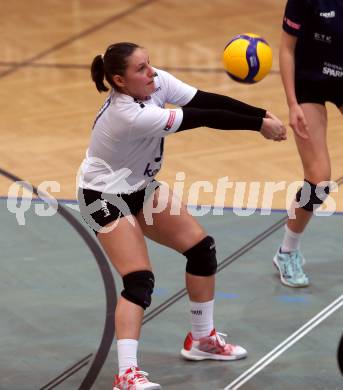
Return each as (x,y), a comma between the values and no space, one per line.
(273,128)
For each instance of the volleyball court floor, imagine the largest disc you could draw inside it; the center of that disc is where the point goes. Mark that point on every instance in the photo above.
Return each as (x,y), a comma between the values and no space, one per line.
(57,295)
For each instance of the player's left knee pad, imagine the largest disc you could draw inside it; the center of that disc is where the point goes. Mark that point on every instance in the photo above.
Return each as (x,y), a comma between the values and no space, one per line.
(311,196)
(201,258)
(138,287)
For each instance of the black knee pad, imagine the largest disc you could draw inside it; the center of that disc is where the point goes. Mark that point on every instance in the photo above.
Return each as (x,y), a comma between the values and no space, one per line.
(138,287)
(311,196)
(201,259)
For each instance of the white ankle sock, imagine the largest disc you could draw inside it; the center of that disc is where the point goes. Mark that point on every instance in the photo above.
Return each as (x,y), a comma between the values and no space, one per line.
(127,354)
(290,241)
(201,318)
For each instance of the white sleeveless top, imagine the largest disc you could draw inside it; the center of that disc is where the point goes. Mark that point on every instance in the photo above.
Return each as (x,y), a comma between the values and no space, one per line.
(126,146)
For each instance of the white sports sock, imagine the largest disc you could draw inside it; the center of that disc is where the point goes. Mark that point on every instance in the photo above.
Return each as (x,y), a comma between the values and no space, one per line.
(127,354)
(290,241)
(201,318)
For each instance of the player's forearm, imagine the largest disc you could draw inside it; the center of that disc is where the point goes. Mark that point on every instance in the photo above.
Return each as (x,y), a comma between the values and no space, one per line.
(218,119)
(208,100)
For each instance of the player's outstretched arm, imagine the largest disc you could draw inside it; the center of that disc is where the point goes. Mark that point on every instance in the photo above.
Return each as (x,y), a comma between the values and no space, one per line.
(210,100)
(270,127)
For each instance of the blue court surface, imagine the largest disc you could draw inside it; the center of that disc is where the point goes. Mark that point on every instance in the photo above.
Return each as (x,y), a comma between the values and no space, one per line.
(58,292)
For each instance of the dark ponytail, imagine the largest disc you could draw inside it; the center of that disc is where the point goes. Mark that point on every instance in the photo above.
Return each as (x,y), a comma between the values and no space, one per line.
(113,62)
(98,73)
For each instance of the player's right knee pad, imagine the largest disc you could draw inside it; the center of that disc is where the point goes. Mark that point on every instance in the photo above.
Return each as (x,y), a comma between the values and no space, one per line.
(311,196)
(138,287)
(201,258)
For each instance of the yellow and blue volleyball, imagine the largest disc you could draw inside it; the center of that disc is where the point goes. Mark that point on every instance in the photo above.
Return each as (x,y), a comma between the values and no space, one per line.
(247,58)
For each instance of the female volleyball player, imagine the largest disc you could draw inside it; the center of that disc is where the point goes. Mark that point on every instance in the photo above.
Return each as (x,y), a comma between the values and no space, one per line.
(117,181)
(311,64)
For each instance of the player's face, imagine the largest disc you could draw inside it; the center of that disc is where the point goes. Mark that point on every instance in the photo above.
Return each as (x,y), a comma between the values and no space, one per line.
(139,75)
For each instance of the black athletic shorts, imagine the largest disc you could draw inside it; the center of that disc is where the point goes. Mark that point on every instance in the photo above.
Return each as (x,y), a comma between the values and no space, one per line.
(110,207)
(321,91)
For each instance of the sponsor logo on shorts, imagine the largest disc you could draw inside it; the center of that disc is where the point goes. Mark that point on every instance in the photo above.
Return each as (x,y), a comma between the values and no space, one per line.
(332,72)
(322,38)
(294,25)
(330,14)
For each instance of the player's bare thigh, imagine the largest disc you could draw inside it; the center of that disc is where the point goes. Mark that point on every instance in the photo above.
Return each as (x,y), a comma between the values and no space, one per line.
(173,226)
(125,246)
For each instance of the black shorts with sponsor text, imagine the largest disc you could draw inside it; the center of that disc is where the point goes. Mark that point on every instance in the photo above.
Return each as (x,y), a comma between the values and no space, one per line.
(99,209)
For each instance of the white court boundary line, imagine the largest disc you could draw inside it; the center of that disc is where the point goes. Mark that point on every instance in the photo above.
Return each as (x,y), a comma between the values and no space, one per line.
(282,347)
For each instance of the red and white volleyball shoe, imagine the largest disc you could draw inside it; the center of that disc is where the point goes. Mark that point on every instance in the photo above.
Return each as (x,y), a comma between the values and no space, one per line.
(134,379)
(213,347)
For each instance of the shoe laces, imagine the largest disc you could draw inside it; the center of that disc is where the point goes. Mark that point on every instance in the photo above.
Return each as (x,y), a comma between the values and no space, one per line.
(138,375)
(219,337)
(287,268)
(295,263)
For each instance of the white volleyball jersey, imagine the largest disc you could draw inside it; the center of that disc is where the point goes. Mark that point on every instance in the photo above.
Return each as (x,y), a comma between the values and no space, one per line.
(126,146)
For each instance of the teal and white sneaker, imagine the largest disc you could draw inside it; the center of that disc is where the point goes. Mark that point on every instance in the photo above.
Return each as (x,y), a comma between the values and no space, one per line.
(289,265)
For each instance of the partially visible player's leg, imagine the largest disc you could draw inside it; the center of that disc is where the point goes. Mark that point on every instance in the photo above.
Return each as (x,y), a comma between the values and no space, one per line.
(340,355)
(314,155)
(179,232)
(316,164)
(124,243)
(128,259)
(126,248)
(340,346)
(184,234)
